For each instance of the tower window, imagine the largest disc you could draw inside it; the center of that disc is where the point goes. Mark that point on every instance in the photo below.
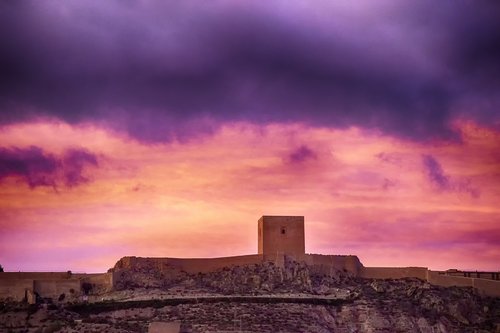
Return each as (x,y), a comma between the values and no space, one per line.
(283,230)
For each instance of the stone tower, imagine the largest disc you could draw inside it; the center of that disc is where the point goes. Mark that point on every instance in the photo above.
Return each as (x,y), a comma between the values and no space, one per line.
(281,235)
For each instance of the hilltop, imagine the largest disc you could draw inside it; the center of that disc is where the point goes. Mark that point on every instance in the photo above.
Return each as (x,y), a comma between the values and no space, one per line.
(262,297)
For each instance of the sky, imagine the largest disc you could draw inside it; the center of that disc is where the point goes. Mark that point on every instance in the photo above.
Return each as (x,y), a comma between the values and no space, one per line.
(167,128)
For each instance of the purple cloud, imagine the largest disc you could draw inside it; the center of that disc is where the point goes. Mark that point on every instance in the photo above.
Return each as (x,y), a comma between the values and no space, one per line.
(38,168)
(301,154)
(31,164)
(165,70)
(435,173)
(74,161)
(444,182)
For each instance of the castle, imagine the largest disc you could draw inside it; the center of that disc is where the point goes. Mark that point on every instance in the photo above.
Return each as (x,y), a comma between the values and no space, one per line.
(278,237)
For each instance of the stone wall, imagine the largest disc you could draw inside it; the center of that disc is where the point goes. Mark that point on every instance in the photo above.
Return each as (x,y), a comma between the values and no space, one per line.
(487,287)
(190,265)
(103,282)
(204,265)
(483,286)
(448,281)
(14,285)
(55,288)
(211,264)
(393,272)
(15,289)
(349,263)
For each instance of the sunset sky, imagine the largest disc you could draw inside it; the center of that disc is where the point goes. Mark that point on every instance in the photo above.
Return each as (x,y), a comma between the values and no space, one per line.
(167,128)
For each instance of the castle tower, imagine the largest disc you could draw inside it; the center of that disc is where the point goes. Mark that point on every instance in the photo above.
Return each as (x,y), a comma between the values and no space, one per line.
(281,235)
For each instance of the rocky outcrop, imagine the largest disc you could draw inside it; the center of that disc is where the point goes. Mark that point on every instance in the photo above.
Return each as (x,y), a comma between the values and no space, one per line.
(262,278)
(268,278)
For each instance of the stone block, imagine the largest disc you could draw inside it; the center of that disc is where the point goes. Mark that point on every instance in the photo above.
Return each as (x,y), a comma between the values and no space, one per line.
(162,327)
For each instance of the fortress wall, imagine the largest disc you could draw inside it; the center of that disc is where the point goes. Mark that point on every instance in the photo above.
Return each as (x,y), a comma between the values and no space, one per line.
(324,264)
(199,265)
(448,281)
(348,262)
(49,284)
(393,272)
(487,287)
(353,265)
(33,275)
(189,265)
(15,289)
(102,281)
(325,260)
(54,288)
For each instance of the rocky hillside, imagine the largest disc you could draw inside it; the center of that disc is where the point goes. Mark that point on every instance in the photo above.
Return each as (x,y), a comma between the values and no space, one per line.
(262,298)
(258,279)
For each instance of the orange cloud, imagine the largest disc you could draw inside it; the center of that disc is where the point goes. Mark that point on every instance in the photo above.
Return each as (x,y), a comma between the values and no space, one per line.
(361,192)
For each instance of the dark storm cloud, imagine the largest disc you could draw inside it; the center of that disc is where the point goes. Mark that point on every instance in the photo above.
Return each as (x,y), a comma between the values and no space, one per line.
(444,182)
(38,168)
(172,69)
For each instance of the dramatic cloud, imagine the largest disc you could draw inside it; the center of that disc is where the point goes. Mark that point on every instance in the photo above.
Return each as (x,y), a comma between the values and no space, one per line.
(38,168)
(35,167)
(363,194)
(163,70)
(443,182)
(377,120)
(73,162)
